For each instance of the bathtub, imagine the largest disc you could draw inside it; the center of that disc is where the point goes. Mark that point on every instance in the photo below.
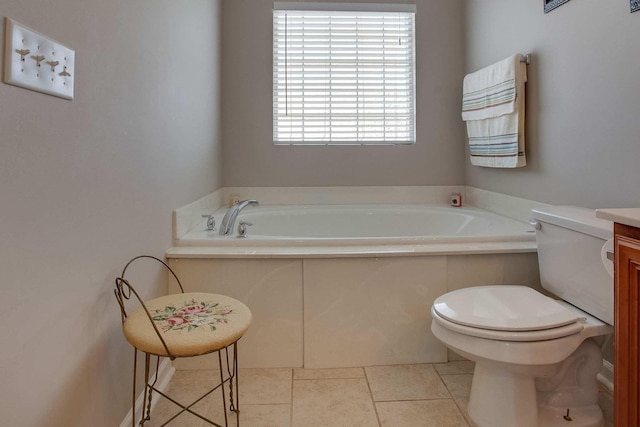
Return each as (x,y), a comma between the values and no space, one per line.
(337,225)
(335,286)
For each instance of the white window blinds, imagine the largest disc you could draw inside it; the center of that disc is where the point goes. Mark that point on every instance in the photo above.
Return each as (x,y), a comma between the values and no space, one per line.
(343,77)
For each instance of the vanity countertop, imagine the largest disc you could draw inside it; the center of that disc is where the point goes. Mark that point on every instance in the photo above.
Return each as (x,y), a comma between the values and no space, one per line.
(626,216)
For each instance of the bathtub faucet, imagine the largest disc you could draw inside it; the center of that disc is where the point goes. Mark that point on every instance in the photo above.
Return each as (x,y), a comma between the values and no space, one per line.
(226,228)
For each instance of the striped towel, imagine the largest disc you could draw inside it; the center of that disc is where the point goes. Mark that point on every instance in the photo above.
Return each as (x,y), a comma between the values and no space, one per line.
(497,142)
(491,92)
(494,100)
(496,129)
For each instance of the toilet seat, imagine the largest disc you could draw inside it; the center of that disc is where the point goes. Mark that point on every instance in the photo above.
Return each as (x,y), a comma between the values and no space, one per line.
(506,313)
(514,336)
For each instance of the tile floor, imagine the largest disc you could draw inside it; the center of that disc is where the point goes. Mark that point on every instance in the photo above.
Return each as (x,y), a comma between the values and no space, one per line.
(425,395)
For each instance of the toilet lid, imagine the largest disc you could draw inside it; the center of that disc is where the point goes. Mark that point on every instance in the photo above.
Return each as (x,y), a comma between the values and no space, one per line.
(503,308)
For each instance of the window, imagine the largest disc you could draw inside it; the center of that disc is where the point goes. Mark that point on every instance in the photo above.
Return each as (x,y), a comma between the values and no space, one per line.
(343,76)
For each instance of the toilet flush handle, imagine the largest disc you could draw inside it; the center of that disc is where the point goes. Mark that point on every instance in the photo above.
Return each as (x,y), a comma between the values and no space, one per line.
(535,224)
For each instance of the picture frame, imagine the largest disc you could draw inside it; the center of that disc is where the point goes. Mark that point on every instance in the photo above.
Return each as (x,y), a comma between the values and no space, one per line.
(634,5)
(549,5)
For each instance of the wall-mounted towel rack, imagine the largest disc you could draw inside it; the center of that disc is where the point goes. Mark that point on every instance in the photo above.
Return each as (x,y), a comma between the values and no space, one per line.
(526,58)
(493,100)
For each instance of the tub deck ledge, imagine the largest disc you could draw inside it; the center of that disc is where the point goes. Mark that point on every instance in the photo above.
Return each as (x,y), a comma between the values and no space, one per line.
(351,251)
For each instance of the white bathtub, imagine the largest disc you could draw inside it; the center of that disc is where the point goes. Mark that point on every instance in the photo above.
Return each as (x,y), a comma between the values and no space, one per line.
(325,225)
(350,285)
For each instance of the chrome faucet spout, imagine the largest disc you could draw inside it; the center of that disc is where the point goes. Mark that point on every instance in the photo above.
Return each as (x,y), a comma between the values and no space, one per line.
(226,228)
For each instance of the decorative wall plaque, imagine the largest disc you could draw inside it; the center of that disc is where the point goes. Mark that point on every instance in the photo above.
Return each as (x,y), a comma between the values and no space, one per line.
(549,5)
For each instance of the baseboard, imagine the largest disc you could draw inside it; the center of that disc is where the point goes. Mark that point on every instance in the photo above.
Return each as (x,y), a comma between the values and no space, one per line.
(606,375)
(165,372)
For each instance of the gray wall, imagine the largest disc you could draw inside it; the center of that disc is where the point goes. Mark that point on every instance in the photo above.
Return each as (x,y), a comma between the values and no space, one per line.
(85,185)
(583,94)
(251,159)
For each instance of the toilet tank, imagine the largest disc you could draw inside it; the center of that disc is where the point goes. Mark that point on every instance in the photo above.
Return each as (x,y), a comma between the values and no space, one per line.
(570,241)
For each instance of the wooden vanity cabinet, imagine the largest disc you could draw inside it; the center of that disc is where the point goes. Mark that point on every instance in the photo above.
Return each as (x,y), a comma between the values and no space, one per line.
(627,326)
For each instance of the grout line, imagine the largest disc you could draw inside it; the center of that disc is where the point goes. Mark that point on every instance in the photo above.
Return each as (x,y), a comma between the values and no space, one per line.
(265,404)
(415,400)
(331,377)
(463,412)
(291,400)
(443,382)
(375,407)
(304,311)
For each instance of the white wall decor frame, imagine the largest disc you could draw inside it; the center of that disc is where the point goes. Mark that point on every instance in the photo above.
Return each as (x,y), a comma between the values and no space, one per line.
(36,62)
(549,5)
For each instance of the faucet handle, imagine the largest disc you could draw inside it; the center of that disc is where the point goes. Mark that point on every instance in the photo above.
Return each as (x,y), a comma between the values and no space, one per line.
(211,222)
(242,229)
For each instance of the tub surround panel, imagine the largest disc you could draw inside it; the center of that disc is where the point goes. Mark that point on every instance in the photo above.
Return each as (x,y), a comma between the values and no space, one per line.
(202,252)
(327,313)
(272,289)
(189,216)
(464,271)
(371,311)
(346,195)
(502,204)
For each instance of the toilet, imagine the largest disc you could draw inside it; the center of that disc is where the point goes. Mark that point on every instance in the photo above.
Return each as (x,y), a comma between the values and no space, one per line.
(536,357)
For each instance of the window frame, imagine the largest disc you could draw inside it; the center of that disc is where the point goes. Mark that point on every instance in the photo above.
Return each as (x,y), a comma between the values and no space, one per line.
(410,82)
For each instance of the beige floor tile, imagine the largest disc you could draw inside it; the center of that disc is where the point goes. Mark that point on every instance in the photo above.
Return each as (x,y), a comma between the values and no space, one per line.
(455,367)
(265,386)
(460,388)
(215,409)
(406,396)
(420,413)
(405,382)
(265,416)
(183,420)
(185,387)
(458,385)
(605,403)
(463,404)
(189,385)
(324,374)
(255,416)
(333,403)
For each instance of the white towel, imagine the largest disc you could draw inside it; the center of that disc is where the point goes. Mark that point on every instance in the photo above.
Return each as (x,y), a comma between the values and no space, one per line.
(492,91)
(498,142)
(497,139)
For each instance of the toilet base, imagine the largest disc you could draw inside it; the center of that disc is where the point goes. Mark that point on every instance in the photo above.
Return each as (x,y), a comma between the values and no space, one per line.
(492,386)
(504,395)
(502,399)
(586,416)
